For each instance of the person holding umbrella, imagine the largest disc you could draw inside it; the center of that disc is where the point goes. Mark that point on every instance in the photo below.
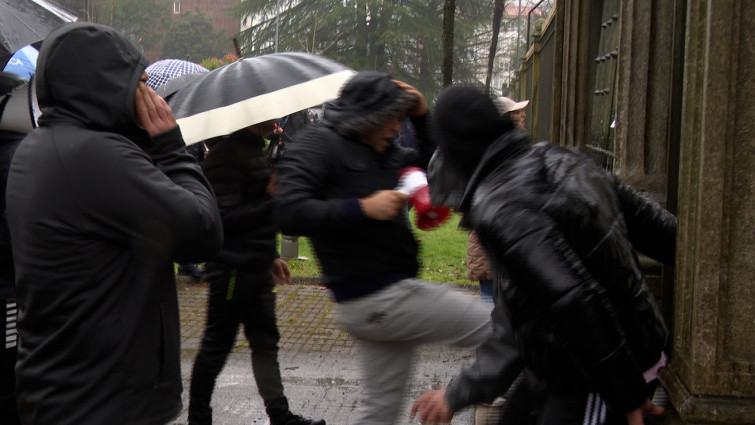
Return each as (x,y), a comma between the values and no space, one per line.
(101,199)
(337,185)
(243,275)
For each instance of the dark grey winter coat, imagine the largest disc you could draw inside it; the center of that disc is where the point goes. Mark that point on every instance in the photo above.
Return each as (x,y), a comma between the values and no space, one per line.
(98,212)
(328,168)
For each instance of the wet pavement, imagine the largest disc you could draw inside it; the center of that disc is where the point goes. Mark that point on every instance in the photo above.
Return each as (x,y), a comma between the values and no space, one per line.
(319,361)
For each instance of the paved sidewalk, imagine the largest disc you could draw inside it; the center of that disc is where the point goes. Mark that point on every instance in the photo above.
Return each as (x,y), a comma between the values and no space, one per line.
(318,361)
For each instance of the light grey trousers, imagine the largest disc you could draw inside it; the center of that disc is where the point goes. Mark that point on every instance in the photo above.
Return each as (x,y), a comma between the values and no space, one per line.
(388,327)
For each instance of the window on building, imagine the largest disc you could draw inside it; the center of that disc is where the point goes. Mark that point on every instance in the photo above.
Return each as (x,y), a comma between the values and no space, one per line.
(177,6)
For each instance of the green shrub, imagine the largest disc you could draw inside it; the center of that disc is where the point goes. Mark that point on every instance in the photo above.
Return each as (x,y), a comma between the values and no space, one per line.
(443,254)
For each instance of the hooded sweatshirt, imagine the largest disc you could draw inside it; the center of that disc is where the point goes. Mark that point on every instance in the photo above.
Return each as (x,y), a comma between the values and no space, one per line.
(98,212)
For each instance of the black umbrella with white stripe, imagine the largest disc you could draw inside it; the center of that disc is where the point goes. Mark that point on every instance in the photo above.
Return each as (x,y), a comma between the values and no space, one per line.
(254,90)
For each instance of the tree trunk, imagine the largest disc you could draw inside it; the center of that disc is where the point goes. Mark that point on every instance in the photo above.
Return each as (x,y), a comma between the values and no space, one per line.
(447,67)
(498,6)
(378,46)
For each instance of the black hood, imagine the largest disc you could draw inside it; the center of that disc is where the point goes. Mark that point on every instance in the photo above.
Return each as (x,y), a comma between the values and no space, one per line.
(367,101)
(88,73)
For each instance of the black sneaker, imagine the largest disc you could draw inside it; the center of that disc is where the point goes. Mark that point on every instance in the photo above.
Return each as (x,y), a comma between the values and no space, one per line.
(293,419)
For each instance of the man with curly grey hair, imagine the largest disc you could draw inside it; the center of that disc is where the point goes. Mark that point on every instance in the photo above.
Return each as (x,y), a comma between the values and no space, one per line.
(337,188)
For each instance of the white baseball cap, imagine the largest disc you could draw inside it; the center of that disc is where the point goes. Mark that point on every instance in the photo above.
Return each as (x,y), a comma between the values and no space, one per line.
(506,104)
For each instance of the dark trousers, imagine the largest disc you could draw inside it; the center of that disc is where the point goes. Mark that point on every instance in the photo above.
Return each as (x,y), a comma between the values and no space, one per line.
(8,349)
(238,297)
(524,400)
(577,408)
(571,409)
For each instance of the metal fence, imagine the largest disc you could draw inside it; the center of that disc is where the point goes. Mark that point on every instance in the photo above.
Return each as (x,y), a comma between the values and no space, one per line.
(535,79)
(602,107)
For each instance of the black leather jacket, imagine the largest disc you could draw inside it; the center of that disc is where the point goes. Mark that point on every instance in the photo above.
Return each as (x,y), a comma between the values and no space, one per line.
(565,231)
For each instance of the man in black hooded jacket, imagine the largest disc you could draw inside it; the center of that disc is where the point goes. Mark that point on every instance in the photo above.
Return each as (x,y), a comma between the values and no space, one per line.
(337,187)
(565,232)
(102,199)
(243,275)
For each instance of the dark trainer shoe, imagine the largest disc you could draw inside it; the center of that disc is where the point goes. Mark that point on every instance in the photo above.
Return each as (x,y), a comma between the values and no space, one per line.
(292,419)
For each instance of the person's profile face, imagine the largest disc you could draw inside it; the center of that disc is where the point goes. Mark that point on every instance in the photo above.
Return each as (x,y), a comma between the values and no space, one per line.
(382,138)
(518,118)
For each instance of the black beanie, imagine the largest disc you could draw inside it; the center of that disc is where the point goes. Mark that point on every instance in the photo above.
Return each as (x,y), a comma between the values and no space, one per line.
(466,122)
(367,101)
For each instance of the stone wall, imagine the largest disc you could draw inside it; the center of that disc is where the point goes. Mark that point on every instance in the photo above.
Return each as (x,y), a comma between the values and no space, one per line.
(712,374)
(685,135)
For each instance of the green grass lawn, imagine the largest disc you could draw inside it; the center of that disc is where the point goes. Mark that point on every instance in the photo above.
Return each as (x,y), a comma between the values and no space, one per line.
(443,254)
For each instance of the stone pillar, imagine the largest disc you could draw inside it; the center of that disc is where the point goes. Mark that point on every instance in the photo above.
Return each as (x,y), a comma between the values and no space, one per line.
(711,378)
(648,93)
(644,90)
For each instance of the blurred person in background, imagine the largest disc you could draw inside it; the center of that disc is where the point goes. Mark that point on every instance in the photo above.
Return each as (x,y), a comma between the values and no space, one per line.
(478,267)
(9,140)
(243,275)
(515,110)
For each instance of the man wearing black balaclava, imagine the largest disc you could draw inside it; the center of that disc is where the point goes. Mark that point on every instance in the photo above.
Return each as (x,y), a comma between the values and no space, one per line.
(565,232)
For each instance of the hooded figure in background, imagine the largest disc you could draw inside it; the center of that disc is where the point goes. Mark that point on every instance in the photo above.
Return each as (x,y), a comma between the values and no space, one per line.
(102,199)
(565,232)
(338,183)
(243,275)
(9,141)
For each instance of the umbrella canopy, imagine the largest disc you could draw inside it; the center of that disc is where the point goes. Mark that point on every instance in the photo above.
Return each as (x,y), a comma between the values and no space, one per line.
(25,22)
(23,62)
(18,106)
(177,83)
(254,90)
(164,70)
